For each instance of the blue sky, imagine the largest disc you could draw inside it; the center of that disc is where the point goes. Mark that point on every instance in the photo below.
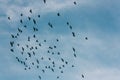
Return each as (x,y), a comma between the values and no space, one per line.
(97,58)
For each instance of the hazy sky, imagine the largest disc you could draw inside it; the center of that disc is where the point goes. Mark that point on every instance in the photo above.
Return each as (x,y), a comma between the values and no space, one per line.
(99,20)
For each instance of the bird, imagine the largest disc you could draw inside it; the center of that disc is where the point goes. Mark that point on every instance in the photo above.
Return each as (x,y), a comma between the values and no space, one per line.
(73,34)
(32,63)
(21,14)
(61,71)
(42,58)
(37,66)
(17,34)
(67,23)
(48,51)
(60,68)
(62,59)
(52,69)
(29,18)
(35,29)
(33,53)
(34,36)
(22,53)
(37,61)
(25,69)
(72,65)
(58,53)
(29,54)
(70,27)
(63,65)
(12,50)
(18,44)
(73,49)
(39,44)
(49,58)
(44,1)
(12,36)
(50,24)
(75,2)
(22,49)
(66,62)
(38,16)
(82,76)
(75,55)
(44,40)
(21,21)
(50,47)
(57,40)
(19,30)
(11,43)
(25,26)
(27,46)
(86,38)
(39,77)
(43,70)
(34,21)
(58,14)
(57,77)
(35,47)
(30,10)
(36,40)
(54,46)
(52,53)
(9,18)
(28,38)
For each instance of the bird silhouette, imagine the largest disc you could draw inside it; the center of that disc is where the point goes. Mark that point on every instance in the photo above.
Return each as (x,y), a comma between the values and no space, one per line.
(39,77)
(21,14)
(12,36)
(34,21)
(82,76)
(29,18)
(50,24)
(67,23)
(73,34)
(44,1)
(12,50)
(75,2)
(58,14)
(30,10)
(9,18)
(11,43)
(86,38)
(38,16)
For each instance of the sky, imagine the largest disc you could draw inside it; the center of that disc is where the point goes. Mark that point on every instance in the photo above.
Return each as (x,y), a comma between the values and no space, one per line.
(99,20)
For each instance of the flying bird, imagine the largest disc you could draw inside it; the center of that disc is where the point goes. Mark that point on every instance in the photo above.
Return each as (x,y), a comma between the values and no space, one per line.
(86,38)
(9,18)
(73,34)
(75,2)
(70,27)
(12,43)
(34,21)
(38,16)
(82,76)
(58,14)
(21,14)
(67,23)
(30,11)
(12,50)
(44,1)
(39,77)
(29,18)
(73,49)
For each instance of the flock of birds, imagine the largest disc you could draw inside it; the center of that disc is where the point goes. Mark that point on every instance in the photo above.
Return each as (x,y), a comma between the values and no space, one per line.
(29,56)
